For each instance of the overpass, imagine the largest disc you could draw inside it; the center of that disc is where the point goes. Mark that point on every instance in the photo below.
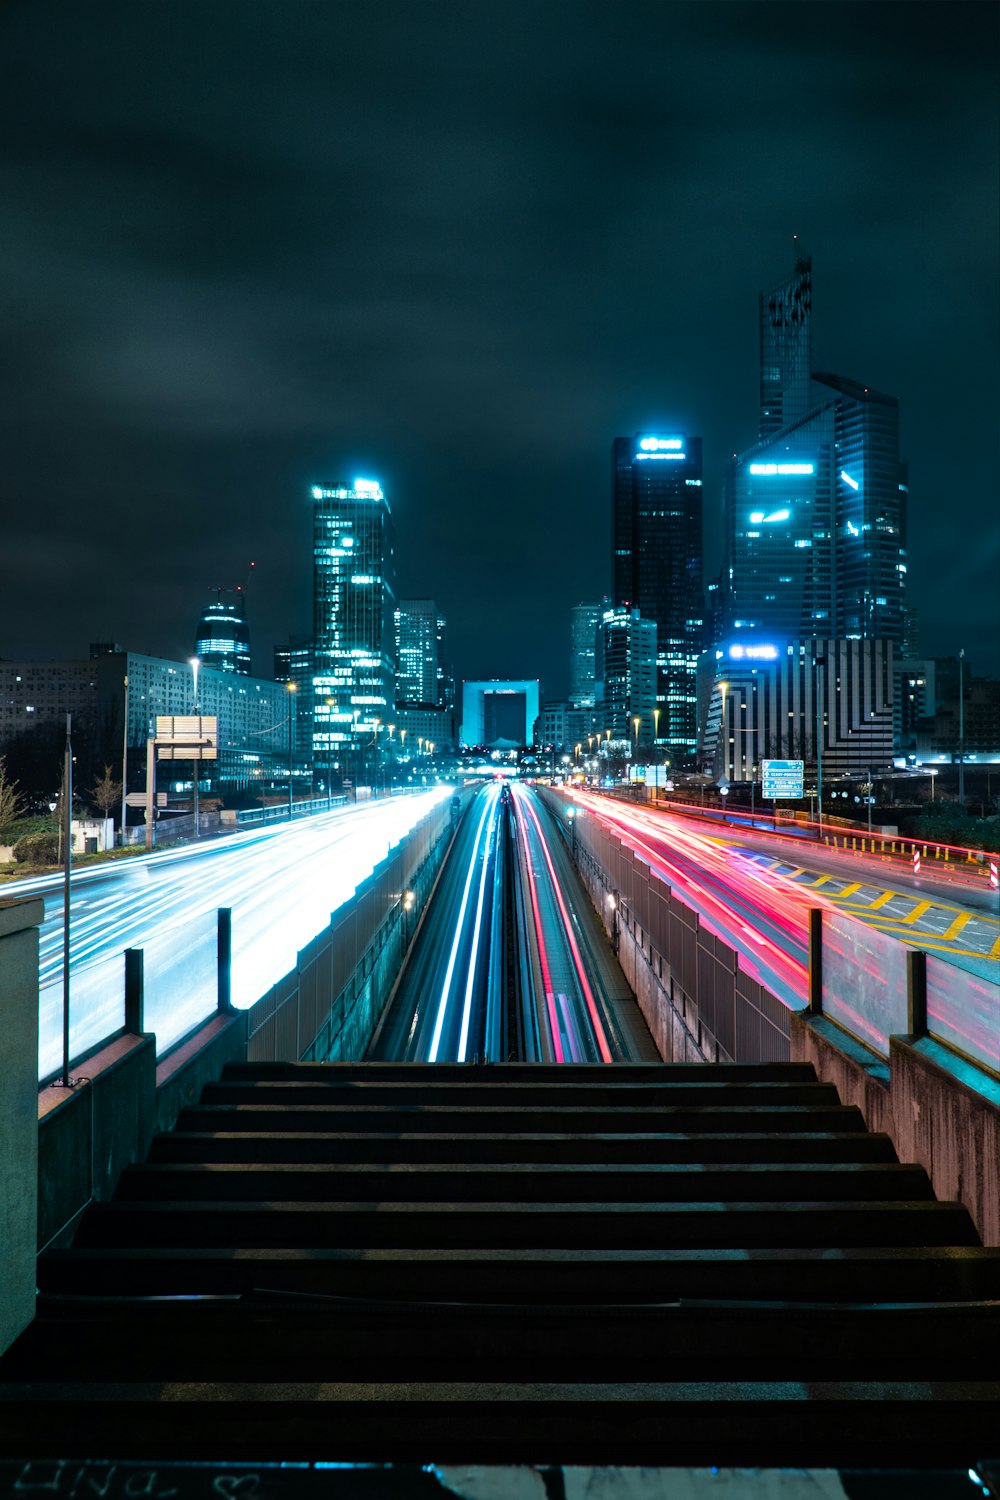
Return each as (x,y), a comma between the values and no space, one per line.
(661,1263)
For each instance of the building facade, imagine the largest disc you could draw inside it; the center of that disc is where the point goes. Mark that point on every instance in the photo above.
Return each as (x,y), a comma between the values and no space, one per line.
(769,702)
(499,713)
(657,564)
(562,726)
(815,512)
(294,664)
(416,625)
(222,640)
(628,708)
(354,602)
(584,622)
(252,713)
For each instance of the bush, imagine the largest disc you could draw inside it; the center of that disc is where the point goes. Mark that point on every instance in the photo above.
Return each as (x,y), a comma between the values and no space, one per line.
(37,849)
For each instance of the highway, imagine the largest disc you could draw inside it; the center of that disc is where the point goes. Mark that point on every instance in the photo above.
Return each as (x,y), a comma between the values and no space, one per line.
(761,912)
(510,960)
(282,883)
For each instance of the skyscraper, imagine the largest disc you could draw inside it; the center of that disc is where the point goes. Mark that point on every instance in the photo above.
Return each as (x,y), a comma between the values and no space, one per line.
(584,620)
(815,512)
(354,599)
(869,510)
(222,640)
(417,652)
(657,541)
(627,676)
(785,327)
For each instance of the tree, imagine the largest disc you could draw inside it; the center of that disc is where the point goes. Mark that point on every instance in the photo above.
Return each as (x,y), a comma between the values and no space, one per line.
(11,804)
(106,792)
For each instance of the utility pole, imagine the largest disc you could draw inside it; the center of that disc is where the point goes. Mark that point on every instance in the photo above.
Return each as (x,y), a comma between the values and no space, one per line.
(820,664)
(961,726)
(68,823)
(195,663)
(125,765)
(291,723)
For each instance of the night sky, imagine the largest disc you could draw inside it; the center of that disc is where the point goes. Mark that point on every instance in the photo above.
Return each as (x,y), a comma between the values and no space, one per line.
(459,247)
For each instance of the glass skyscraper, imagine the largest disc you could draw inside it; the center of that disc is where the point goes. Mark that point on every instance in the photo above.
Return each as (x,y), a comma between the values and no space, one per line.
(785,323)
(222,640)
(815,512)
(417,622)
(354,600)
(869,490)
(657,543)
(779,572)
(584,620)
(627,676)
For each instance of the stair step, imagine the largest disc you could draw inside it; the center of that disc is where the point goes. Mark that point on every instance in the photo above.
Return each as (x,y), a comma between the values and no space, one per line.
(275,1116)
(374,1147)
(529,1183)
(543,1277)
(710,1091)
(490,1225)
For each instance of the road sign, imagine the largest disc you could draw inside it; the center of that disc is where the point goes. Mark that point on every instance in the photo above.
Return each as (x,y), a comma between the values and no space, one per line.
(187,737)
(135,799)
(782,778)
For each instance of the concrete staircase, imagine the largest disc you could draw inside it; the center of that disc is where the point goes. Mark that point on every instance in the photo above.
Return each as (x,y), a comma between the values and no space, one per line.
(617,1265)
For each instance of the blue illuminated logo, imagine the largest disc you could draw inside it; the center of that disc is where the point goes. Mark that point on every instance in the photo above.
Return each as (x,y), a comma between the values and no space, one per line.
(368,489)
(753,653)
(658,444)
(848,480)
(766,469)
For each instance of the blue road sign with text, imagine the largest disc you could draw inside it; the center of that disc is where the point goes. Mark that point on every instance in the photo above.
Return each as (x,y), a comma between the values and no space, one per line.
(782,778)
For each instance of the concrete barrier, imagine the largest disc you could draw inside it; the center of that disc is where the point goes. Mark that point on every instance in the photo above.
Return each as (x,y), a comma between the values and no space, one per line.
(19,923)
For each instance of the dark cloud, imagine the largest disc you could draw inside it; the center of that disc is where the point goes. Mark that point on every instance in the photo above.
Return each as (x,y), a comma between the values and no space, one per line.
(462,246)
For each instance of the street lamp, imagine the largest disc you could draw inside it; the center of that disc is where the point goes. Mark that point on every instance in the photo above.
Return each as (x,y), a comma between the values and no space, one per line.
(961,726)
(194,663)
(292,690)
(723,688)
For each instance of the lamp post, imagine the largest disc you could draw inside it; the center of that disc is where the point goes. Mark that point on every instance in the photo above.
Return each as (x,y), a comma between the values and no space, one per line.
(392,730)
(68,822)
(194,663)
(820,663)
(292,690)
(125,765)
(723,687)
(961,726)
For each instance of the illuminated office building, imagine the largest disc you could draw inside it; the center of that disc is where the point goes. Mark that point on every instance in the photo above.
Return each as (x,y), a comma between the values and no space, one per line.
(657,543)
(354,600)
(222,641)
(815,511)
(416,624)
(584,621)
(869,510)
(779,701)
(627,676)
(779,569)
(499,714)
(294,664)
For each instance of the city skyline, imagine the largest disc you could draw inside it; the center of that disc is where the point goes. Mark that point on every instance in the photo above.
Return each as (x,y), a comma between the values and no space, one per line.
(403,271)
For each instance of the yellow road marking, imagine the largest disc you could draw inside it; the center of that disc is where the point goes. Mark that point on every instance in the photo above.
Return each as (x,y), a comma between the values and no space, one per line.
(917,912)
(995,950)
(881,900)
(847,891)
(821,880)
(957,925)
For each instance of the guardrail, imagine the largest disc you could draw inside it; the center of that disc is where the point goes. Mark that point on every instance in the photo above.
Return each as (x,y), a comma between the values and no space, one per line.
(909,853)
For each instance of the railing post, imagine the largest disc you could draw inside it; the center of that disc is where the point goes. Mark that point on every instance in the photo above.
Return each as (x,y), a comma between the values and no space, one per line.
(815,961)
(134,991)
(225,961)
(916,992)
